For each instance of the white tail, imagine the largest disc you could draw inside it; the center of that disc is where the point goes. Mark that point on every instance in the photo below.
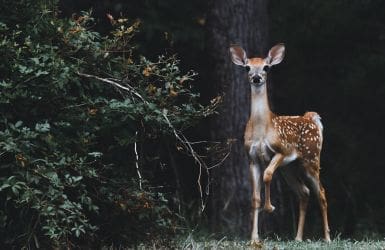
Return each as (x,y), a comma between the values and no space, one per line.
(272,141)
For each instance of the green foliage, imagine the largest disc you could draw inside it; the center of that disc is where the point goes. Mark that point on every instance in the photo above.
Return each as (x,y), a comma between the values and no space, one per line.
(68,168)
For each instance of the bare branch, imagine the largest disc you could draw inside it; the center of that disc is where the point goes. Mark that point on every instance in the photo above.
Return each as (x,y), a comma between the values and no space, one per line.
(186,144)
(137,163)
(114,82)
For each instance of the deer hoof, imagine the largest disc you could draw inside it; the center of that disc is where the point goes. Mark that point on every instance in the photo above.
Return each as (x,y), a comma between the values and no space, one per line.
(269,208)
(298,239)
(256,244)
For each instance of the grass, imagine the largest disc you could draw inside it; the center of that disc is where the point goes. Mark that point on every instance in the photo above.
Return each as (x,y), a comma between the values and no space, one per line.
(201,241)
(190,243)
(269,244)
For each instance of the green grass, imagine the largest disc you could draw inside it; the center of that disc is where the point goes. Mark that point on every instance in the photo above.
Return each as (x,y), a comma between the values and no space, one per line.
(190,243)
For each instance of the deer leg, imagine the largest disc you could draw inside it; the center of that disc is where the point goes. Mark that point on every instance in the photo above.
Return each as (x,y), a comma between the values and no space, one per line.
(255,172)
(267,177)
(320,191)
(324,208)
(302,192)
(303,201)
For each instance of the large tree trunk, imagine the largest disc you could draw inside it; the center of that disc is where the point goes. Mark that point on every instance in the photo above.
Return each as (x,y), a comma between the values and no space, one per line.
(242,22)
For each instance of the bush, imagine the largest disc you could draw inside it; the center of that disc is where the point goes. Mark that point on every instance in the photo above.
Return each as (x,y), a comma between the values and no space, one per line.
(84,125)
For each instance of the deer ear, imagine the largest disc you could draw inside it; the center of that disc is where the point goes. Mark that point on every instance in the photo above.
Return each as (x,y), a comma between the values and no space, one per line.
(276,54)
(238,55)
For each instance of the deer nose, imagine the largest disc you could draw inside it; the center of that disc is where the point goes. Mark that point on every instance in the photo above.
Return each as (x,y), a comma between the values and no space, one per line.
(256,79)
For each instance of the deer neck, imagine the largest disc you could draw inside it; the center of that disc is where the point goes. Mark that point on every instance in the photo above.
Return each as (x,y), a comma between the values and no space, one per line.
(260,115)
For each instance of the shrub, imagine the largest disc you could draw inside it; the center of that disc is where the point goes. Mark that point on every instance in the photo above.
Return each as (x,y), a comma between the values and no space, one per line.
(84,124)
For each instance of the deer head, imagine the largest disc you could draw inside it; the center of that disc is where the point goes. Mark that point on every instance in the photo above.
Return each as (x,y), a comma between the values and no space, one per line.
(257,67)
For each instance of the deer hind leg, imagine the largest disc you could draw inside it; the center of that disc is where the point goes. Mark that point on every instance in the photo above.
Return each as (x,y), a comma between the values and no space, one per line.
(320,192)
(302,192)
(255,172)
(267,177)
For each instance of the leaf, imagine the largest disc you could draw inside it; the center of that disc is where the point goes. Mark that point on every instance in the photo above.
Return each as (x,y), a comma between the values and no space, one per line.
(53,176)
(42,127)
(5,84)
(4,186)
(40,72)
(77,178)
(18,124)
(35,60)
(15,189)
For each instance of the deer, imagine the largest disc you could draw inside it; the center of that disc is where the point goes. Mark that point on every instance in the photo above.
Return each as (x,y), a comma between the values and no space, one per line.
(273,140)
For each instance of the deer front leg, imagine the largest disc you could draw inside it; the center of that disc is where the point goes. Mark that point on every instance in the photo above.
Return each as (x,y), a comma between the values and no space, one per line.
(267,176)
(255,172)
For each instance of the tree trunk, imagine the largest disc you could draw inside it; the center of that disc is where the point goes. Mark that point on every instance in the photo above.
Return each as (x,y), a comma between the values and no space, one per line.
(242,22)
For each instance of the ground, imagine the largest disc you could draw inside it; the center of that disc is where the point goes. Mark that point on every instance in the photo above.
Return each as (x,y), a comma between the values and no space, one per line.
(190,243)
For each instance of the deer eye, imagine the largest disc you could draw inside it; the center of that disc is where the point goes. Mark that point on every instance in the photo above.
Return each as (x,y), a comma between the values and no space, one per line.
(266,68)
(247,68)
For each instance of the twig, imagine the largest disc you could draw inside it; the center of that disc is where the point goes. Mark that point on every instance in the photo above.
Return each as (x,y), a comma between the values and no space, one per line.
(222,160)
(137,163)
(186,144)
(75,106)
(200,142)
(113,82)
(177,181)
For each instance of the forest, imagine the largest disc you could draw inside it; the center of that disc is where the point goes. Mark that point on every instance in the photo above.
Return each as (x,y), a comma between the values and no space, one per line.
(122,123)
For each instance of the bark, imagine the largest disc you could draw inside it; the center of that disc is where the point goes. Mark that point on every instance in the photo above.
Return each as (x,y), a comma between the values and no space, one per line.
(242,22)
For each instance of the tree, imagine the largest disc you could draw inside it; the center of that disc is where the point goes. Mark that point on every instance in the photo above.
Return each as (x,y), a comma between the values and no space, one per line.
(244,23)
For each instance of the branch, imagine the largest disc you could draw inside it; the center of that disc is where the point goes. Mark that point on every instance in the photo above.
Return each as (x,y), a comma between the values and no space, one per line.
(128,87)
(137,164)
(187,145)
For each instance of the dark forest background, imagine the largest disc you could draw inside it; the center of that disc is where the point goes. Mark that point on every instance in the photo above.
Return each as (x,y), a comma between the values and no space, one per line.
(334,65)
